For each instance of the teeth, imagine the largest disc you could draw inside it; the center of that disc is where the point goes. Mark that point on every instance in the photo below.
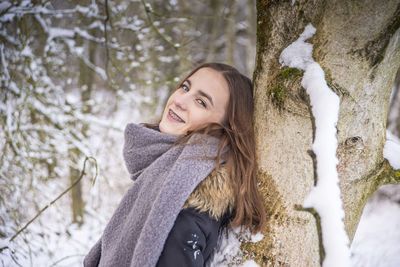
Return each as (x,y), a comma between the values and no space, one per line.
(175,116)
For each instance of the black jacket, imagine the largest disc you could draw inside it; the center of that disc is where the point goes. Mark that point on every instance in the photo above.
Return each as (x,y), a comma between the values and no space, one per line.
(193,239)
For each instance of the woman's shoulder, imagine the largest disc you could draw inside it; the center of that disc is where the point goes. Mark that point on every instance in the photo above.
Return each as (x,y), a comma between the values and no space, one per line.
(213,195)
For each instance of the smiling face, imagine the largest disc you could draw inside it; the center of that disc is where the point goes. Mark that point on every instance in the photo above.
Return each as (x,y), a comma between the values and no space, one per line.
(201,99)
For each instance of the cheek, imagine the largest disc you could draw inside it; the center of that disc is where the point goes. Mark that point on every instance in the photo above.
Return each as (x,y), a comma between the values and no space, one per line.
(222,117)
(215,116)
(199,117)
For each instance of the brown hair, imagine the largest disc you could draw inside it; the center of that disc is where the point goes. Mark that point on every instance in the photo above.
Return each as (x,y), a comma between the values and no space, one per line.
(236,133)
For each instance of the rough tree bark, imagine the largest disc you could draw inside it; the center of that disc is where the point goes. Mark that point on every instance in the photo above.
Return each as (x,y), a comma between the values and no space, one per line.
(357,44)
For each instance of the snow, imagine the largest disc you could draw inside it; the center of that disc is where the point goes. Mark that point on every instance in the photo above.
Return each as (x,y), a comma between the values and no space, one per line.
(376,241)
(325,196)
(250,263)
(391,150)
(4,6)
(228,249)
(228,252)
(4,63)
(4,243)
(135,25)
(257,237)
(54,32)
(299,53)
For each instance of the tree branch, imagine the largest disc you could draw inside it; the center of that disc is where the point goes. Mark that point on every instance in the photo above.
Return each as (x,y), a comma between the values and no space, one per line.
(149,10)
(57,198)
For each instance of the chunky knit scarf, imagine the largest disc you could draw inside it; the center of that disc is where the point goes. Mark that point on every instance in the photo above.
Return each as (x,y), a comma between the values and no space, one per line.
(164,175)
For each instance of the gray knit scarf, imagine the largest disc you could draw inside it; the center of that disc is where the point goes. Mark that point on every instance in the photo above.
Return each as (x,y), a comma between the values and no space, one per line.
(164,175)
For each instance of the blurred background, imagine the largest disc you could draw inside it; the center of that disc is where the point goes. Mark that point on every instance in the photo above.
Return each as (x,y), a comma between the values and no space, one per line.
(73,74)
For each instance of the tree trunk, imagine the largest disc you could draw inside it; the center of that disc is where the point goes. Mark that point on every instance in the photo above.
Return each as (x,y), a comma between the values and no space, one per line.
(230,32)
(213,26)
(86,79)
(251,31)
(357,45)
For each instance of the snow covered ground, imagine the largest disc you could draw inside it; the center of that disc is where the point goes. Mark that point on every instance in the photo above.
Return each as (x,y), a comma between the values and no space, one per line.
(377,239)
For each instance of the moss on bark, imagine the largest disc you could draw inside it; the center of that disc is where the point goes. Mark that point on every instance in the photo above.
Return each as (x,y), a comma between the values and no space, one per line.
(276,214)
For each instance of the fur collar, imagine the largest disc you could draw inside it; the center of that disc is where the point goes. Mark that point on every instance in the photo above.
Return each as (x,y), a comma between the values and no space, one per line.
(213,195)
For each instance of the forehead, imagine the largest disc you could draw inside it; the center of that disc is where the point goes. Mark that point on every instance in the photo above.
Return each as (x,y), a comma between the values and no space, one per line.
(210,81)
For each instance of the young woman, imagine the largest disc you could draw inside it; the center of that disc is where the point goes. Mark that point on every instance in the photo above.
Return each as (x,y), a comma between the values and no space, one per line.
(194,173)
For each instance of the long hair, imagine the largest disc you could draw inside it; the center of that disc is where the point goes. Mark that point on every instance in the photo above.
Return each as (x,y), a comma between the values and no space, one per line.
(236,133)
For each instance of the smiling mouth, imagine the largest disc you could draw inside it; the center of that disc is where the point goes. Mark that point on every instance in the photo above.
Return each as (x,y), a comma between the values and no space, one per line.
(175,116)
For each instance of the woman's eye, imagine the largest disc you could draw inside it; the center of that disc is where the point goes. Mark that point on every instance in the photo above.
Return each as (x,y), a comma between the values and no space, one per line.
(201,102)
(185,88)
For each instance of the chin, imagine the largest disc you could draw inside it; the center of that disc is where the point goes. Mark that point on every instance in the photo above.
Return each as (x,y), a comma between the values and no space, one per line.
(166,127)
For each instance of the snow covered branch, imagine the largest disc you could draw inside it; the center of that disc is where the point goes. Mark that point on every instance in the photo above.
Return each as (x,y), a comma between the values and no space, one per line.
(57,198)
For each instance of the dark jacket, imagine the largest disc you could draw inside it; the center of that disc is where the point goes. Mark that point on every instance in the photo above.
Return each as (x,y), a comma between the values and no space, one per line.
(193,238)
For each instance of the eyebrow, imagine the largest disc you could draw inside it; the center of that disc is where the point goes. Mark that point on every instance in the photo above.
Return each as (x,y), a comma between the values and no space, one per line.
(202,93)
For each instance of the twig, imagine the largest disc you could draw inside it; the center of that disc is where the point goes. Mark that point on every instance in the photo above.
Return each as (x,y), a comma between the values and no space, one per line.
(57,198)
(149,10)
(65,258)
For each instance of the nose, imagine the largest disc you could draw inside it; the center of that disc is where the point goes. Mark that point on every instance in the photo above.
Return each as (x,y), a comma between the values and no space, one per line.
(180,101)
